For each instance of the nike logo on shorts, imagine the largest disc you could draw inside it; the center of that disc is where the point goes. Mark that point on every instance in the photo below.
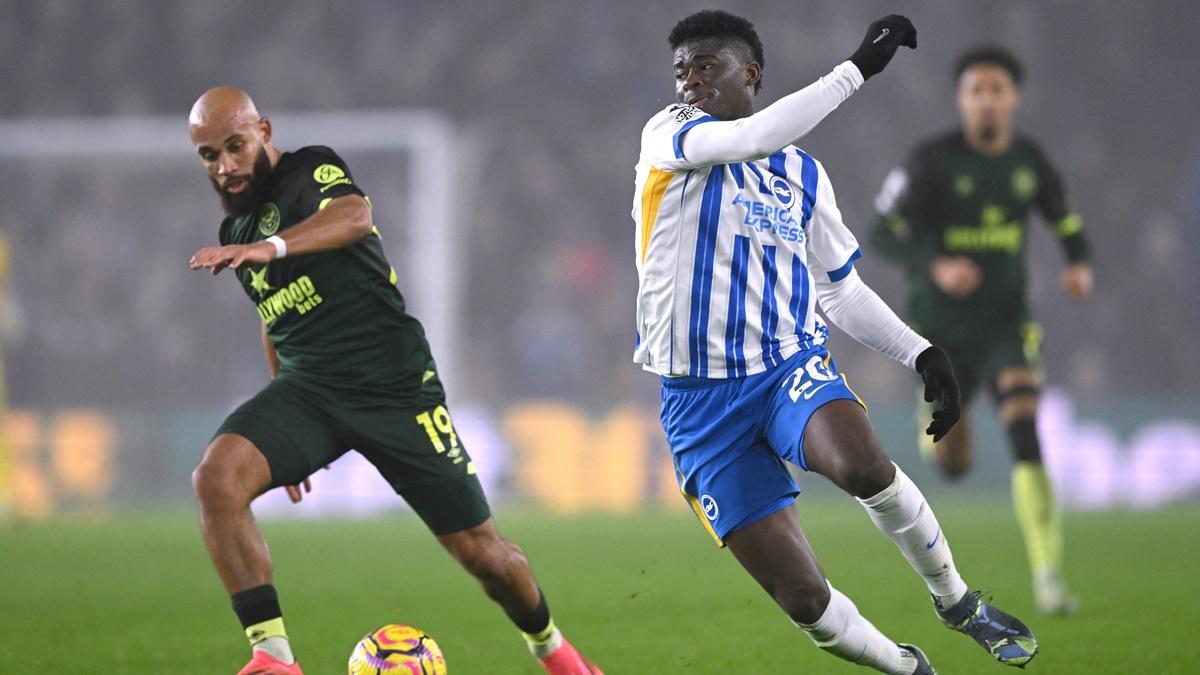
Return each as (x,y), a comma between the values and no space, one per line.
(812,392)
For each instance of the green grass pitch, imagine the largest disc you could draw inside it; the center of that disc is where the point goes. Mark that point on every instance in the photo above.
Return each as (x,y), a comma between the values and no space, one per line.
(644,594)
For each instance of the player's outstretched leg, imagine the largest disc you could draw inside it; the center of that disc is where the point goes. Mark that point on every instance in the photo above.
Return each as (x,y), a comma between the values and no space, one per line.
(503,571)
(776,553)
(840,444)
(1032,492)
(230,475)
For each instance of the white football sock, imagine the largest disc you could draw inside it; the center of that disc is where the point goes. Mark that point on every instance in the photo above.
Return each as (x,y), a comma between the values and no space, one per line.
(901,512)
(843,632)
(276,646)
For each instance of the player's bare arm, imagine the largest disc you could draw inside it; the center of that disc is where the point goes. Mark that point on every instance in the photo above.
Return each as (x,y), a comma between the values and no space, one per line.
(344,221)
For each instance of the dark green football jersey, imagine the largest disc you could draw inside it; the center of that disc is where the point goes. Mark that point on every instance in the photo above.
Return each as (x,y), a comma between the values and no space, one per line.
(335,317)
(948,199)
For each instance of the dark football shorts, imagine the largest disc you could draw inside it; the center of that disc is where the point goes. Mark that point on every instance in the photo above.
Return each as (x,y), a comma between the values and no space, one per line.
(995,349)
(300,427)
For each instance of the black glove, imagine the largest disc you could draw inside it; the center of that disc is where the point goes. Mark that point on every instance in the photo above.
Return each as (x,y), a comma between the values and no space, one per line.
(884,37)
(941,389)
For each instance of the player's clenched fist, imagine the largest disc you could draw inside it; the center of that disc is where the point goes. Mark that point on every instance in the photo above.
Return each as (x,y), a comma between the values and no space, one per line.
(883,38)
(957,276)
(1077,281)
(217,258)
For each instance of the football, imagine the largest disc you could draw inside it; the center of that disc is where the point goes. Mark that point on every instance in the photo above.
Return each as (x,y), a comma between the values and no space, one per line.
(397,649)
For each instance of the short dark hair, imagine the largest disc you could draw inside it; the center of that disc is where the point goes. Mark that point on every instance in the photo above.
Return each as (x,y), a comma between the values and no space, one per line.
(991,55)
(714,23)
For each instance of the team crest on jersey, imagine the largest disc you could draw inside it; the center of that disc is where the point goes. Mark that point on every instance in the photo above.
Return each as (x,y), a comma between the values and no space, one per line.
(1024,183)
(710,507)
(783,191)
(268,219)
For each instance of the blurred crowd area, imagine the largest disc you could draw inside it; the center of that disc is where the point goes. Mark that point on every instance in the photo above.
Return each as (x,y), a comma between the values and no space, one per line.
(549,99)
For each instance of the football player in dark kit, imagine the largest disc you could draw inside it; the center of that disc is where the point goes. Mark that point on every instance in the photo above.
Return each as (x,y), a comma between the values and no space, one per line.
(955,217)
(350,368)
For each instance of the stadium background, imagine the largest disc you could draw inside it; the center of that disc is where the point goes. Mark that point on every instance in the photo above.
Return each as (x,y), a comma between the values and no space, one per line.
(120,362)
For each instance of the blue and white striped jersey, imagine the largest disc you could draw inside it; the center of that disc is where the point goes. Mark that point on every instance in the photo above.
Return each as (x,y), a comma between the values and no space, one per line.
(729,255)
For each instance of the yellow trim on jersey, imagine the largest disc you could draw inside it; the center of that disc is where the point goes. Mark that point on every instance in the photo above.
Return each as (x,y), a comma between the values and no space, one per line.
(652,196)
(699,511)
(1068,226)
(393,277)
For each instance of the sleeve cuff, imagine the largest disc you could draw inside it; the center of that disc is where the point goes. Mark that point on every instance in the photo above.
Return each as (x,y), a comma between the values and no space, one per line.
(851,71)
(844,271)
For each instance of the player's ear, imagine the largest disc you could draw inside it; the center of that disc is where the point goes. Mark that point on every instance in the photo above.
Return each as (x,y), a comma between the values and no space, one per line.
(753,73)
(264,127)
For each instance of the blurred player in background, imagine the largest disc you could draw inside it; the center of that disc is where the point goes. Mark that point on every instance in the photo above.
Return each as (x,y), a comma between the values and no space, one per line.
(351,369)
(955,217)
(738,238)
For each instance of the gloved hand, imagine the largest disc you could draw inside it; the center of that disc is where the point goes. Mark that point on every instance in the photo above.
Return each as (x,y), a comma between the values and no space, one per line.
(941,389)
(883,38)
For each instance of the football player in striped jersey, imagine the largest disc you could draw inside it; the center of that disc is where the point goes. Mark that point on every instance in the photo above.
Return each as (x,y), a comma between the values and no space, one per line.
(739,241)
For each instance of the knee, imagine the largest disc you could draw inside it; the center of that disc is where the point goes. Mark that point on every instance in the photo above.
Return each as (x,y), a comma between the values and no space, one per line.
(805,601)
(490,559)
(870,478)
(218,486)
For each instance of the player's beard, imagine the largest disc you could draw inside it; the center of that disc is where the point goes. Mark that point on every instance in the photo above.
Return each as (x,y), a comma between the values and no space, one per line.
(244,202)
(989,132)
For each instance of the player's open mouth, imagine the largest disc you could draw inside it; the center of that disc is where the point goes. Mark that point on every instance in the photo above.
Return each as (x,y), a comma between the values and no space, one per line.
(699,102)
(236,185)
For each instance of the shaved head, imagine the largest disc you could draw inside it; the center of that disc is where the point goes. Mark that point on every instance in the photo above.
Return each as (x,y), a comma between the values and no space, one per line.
(234,144)
(222,104)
